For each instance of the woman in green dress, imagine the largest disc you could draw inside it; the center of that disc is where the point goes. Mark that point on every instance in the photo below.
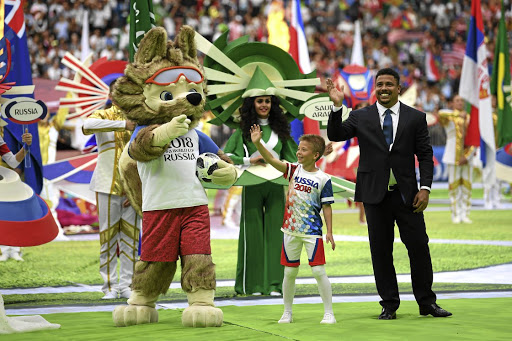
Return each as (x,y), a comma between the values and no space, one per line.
(259,245)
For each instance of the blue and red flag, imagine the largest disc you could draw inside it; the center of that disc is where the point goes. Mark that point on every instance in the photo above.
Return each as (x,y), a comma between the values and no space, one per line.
(21,73)
(475,89)
(78,169)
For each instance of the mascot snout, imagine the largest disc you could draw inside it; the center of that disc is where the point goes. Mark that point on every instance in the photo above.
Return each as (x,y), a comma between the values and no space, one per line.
(194,98)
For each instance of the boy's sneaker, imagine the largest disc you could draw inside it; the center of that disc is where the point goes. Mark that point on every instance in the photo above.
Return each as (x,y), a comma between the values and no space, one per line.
(328,319)
(286,318)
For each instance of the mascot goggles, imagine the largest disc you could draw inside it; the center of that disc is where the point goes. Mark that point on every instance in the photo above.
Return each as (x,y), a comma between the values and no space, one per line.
(170,75)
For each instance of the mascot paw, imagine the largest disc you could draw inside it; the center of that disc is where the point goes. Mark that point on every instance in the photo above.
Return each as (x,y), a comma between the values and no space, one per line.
(129,315)
(202,316)
(167,132)
(225,175)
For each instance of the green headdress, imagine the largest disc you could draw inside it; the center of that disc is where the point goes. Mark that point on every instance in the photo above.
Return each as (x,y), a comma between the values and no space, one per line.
(241,69)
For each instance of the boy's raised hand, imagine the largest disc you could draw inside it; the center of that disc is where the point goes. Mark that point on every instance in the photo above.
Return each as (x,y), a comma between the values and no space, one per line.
(330,239)
(255,133)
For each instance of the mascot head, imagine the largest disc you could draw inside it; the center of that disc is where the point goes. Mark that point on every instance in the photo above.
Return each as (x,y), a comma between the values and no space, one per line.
(164,81)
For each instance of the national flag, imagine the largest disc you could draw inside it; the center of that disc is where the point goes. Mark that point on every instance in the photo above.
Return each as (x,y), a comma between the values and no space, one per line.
(298,49)
(78,169)
(455,56)
(21,73)
(298,43)
(475,89)
(142,19)
(500,84)
(357,56)
(431,70)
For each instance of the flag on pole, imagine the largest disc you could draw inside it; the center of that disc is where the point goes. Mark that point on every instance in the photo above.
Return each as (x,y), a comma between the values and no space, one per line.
(142,19)
(21,73)
(500,84)
(475,89)
(299,51)
(84,43)
(298,43)
(357,57)
(431,70)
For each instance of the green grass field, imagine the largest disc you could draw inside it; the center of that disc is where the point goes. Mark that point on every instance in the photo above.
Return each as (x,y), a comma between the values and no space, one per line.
(69,263)
(473,319)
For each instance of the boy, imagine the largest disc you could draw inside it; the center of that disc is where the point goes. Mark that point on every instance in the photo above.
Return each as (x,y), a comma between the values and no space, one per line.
(309,192)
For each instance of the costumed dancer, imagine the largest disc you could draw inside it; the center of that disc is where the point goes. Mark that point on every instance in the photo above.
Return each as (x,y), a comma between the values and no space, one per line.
(119,223)
(258,268)
(232,207)
(12,161)
(310,192)
(459,160)
(492,189)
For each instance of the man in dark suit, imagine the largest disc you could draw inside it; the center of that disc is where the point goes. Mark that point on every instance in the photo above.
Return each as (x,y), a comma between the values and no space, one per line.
(390,134)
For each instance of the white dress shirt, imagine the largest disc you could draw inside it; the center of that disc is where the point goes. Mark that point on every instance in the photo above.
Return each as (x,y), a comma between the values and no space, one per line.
(394,116)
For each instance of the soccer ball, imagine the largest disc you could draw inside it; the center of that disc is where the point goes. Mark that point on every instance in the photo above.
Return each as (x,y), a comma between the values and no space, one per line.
(206,165)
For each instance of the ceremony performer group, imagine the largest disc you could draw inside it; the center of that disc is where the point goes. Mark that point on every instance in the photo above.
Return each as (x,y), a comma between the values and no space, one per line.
(118,221)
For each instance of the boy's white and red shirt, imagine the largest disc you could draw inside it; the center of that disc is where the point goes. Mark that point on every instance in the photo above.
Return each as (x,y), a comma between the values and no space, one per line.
(307,192)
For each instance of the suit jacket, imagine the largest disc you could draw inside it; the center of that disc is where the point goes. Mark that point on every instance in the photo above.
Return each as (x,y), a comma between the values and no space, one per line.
(376,159)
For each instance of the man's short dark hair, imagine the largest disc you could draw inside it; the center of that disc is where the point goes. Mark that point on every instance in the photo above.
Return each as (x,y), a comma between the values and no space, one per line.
(388,71)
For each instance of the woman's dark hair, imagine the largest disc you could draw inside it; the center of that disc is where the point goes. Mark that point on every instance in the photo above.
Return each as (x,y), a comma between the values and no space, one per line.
(276,119)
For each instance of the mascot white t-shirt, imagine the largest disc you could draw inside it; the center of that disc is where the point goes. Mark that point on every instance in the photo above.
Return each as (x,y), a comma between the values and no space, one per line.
(170,181)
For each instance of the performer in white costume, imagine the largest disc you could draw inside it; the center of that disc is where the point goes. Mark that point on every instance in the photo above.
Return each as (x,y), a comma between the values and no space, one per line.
(458,159)
(492,189)
(119,224)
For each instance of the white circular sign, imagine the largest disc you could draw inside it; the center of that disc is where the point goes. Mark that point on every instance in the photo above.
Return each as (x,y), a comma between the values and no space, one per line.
(24,110)
(319,109)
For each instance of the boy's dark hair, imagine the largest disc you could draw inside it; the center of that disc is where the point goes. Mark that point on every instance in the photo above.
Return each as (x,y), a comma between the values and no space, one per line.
(317,142)
(388,71)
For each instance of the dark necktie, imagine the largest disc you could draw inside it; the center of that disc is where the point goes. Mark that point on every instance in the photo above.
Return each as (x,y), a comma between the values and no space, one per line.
(387,127)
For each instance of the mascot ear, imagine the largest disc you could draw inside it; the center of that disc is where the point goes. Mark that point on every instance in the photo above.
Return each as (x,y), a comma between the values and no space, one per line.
(154,44)
(185,41)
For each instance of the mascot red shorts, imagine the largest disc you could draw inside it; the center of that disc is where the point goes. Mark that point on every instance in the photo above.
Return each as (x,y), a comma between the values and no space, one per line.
(167,234)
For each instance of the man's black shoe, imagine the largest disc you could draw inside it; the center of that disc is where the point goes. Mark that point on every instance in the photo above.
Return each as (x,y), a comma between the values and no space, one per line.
(387,314)
(434,310)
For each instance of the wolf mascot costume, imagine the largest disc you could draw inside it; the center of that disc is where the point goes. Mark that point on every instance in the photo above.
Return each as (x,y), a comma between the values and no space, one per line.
(163,91)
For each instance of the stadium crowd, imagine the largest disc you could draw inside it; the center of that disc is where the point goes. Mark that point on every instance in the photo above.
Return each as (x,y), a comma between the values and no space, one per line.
(395,33)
